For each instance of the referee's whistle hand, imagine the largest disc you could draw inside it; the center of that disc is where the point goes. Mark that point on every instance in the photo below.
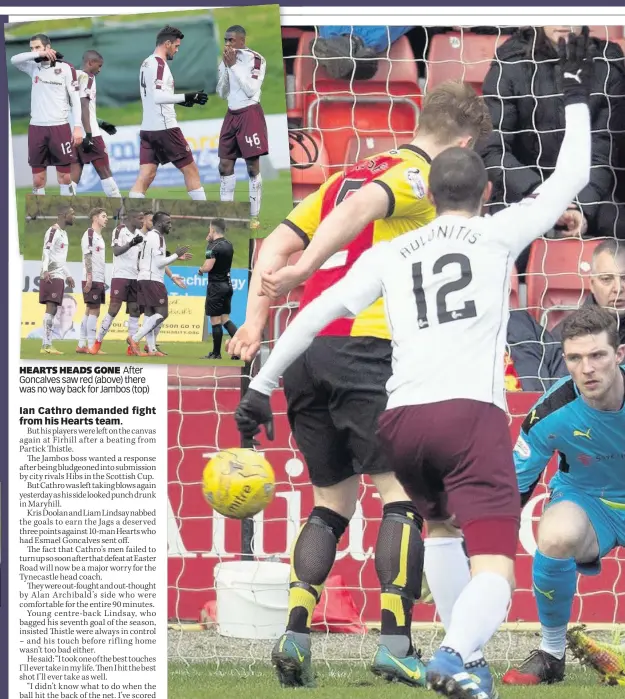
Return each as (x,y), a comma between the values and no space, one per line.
(279,283)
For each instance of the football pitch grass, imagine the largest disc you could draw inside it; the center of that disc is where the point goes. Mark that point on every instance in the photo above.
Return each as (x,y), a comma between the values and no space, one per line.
(182,353)
(276,204)
(257,681)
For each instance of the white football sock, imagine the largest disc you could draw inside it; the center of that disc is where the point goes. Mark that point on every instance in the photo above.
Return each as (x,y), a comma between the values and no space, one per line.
(136,195)
(226,187)
(554,640)
(83,331)
(133,325)
(48,320)
(92,324)
(66,190)
(110,187)
(74,186)
(479,611)
(40,192)
(447,571)
(197,194)
(149,338)
(256,193)
(148,326)
(105,326)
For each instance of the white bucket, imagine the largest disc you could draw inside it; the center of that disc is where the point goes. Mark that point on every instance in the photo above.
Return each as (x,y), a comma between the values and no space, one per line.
(252,598)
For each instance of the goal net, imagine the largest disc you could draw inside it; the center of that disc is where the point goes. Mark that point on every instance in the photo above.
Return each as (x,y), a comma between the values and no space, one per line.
(334,122)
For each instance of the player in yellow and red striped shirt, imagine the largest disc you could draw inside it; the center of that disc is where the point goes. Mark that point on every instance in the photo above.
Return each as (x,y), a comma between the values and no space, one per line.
(336,390)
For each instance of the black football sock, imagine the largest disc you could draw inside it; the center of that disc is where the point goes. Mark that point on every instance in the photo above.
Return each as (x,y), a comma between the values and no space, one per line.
(218,335)
(230,327)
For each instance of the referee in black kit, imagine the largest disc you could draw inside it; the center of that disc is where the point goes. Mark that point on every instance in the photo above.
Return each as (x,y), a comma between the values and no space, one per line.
(219,253)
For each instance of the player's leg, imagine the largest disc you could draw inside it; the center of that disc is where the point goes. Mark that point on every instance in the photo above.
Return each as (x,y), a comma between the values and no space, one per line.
(213,309)
(227,179)
(154,298)
(193,181)
(335,489)
(64,178)
(147,173)
(92,325)
(62,156)
(75,174)
(255,188)
(574,532)
(107,321)
(38,157)
(48,322)
(102,166)
(217,334)
(134,315)
(230,327)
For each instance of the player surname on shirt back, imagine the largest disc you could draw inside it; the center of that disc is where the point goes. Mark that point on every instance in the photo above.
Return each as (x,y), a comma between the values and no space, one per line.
(241,84)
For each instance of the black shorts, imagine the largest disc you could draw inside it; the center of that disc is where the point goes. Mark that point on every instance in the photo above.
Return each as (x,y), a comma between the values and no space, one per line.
(218,299)
(335,393)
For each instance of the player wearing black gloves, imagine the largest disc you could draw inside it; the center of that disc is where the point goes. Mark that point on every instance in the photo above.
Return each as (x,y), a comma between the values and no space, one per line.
(193,98)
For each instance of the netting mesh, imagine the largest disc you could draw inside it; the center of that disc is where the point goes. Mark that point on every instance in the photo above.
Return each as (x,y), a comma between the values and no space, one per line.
(334,122)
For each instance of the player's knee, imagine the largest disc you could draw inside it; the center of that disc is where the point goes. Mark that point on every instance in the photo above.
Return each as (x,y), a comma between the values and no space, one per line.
(114,309)
(103,169)
(558,542)
(39,178)
(340,498)
(133,309)
(63,174)
(253,168)
(226,168)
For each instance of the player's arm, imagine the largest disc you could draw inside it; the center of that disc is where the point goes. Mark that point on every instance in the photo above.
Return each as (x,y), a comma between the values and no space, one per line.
(250,74)
(531,454)
(207,265)
(121,249)
(520,224)
(26,61)
(360,287)
(223,82)
(73,91)
(45,258)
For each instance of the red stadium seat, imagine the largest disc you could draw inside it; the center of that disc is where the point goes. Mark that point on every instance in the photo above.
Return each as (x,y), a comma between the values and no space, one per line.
(514,289)
(557,277)
(359,147)
(309,162)
(456,56)
(602,31)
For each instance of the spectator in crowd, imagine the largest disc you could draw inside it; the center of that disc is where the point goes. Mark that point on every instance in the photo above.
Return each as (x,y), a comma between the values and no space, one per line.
(607,282)
(351,53)
(534,360)
(523,92)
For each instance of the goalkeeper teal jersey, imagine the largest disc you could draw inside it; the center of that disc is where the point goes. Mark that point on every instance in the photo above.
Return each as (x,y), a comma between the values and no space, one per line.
(590,444)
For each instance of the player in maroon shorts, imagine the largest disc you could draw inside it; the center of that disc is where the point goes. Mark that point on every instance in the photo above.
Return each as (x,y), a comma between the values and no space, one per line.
(54,274)
(93,149)
(54,96)
(162,140)
(244,130)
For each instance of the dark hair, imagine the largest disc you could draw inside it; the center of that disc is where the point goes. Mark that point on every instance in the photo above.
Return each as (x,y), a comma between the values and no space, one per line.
(236,29)
(132,213)
(92,55)
(219,224)
(454,110)
(96,212)
(159,217)
(611,245)
(44,38)
(591,320)
(64,209)
(168,33)
(457,180)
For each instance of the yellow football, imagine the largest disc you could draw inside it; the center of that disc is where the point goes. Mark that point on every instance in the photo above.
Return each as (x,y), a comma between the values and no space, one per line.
(238,483)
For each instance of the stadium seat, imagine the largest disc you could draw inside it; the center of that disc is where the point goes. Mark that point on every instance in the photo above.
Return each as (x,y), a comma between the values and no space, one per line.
(514,289)
(456,56)
(557,277)
(359,147)
(601,31)
(309,162)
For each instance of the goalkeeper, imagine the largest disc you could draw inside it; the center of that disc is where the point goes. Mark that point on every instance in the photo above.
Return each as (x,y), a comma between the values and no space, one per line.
(582,418)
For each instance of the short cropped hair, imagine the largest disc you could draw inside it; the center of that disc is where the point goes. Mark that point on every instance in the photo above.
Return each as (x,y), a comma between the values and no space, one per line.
(159,217)
(44,38)
(96,212)
(236,29)
(64,209)
(92,55)
(591,320)
(612,245)
(219,224)
(457,180)
(454,110)
(168,33)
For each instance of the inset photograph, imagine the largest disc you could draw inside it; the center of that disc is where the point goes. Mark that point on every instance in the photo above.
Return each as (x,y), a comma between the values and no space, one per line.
(166,105)
(133,280)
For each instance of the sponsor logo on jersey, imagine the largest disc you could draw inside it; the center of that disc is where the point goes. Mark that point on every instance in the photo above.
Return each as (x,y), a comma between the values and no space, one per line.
(416,182)
(522,448)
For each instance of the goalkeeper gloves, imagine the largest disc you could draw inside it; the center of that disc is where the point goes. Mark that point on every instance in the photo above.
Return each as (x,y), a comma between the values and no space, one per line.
(109,128)
(576,64)
(191,98)
(253,412)
(87,143)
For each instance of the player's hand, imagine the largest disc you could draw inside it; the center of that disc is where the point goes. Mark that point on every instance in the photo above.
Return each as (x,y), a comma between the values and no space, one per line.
(182,250)
(179,281)
(253,412)
(576,63)
(572,224)
(195,98)
(45,277)
(77,136)
(48,54)
(87,144)
(186,256)
(137,240)
(229,56)
(70,282)
(88,283)
(109,128)
(245,342)
(279,283)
